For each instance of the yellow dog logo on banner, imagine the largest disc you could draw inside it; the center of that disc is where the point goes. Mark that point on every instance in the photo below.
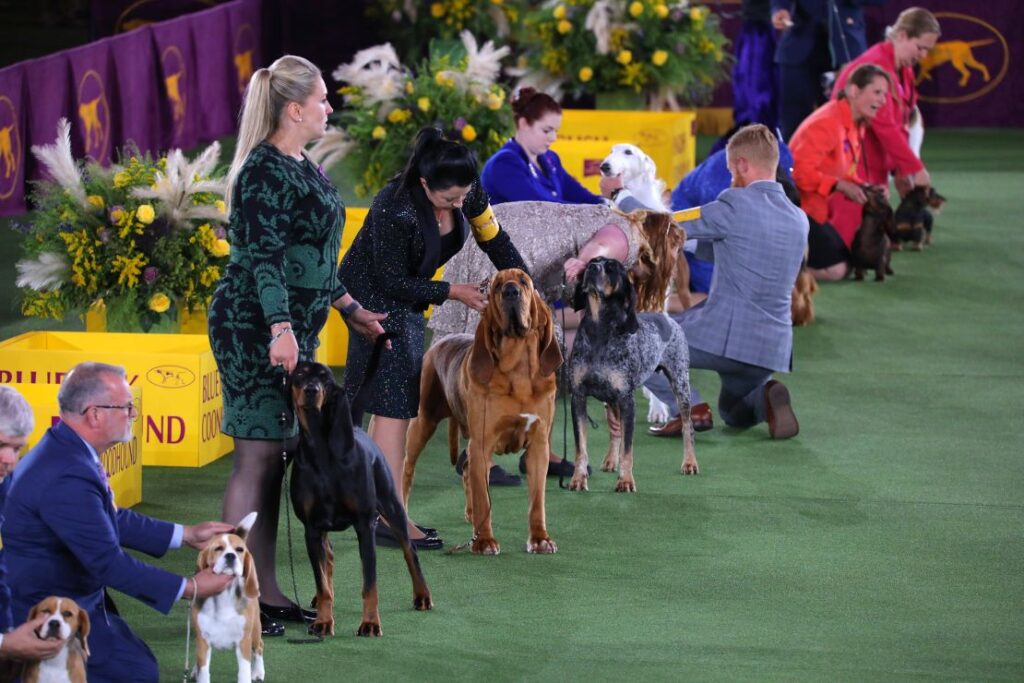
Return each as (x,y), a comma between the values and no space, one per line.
(94,114)
(174,80)
(10,148)
(979,49)
(244,43)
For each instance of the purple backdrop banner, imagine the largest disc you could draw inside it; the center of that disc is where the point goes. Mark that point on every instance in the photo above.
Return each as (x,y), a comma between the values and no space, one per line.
(168,84)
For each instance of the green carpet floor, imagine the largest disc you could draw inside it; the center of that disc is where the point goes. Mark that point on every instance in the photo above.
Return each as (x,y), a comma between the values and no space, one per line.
(883,543)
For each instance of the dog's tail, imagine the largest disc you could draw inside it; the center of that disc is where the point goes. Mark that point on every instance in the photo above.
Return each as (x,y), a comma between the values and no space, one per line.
(362,393)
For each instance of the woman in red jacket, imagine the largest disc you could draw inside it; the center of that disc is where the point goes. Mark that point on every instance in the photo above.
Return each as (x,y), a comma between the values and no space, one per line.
(828,169)
(886,145)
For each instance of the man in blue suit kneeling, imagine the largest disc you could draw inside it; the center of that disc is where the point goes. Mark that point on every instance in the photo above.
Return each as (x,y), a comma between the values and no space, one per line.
(63,535)
(743,330)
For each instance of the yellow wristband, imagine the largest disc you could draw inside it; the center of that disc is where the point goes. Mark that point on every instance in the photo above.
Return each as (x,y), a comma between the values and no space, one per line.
(686,215)
(485,226)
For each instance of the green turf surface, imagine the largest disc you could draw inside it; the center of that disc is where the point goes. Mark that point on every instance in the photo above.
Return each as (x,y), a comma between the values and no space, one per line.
(883,543)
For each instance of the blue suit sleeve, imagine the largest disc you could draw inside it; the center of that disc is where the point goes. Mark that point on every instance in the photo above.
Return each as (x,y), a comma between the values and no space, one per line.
(6,619)
(145,534)
(78,517)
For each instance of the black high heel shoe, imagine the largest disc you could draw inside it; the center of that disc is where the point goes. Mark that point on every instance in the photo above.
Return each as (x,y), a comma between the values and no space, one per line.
(386,539)
(290,612)
(270,628)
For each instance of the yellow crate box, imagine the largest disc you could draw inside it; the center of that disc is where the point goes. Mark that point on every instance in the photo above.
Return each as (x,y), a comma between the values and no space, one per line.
(181,416)
(123,461)
(669,138)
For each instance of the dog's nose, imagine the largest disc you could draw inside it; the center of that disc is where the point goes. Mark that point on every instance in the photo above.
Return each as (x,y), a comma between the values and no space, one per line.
(229,559)
(606,168)
(510,291)
(52,628)
(311,388)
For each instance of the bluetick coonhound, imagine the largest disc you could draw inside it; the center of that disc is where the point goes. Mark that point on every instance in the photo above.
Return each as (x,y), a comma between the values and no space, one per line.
(614,352)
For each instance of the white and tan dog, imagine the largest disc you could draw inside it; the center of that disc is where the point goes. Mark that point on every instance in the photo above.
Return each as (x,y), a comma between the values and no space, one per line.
(69,623)
(231,619)
(639,175)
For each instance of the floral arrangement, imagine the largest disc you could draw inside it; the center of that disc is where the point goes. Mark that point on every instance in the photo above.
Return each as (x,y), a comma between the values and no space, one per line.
(669,51)
(385,106)
(412,24)
(142,239)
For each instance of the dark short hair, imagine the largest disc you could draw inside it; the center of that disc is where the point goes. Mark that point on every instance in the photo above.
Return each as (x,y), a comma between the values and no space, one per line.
(441,162)
(862,77)
(531,105)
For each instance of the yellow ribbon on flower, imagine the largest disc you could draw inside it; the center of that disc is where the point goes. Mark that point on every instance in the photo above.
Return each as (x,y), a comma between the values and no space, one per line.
(485,226)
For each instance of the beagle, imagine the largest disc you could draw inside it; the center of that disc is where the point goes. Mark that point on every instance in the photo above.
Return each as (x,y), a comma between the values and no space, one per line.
(69,623)
(230,619)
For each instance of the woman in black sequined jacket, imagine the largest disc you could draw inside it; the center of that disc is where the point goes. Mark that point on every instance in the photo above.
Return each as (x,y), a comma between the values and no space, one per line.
(415,225)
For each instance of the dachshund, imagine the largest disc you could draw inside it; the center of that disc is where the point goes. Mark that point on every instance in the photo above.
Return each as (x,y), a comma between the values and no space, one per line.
(914,216)
(340,480)
(615,351)
(498,387)
(872,245)
(802,304)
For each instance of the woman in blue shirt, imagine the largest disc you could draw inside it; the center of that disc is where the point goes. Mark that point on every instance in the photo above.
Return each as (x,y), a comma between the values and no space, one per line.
(526,168)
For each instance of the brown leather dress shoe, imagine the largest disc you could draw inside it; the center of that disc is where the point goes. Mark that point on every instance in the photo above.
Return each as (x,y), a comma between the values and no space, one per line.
(782,422)
(673,427)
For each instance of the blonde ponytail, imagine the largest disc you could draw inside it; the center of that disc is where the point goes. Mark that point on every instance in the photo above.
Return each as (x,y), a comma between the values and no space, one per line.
(288,79)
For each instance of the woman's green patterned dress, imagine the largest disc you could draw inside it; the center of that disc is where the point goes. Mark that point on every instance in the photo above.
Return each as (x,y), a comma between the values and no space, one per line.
(285,233)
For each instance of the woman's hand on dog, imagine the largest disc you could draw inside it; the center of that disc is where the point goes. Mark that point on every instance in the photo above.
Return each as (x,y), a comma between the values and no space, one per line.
(473,295)
(24,643)
(852,191)
(609,183)
(367,324)
(573,267)
(199,535)
(206,583)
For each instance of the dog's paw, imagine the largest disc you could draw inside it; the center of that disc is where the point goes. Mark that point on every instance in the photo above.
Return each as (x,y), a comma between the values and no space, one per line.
(657,411)
(322,627)
(689,466)
(625,485)
(610,464)
(485,546)
(541,546)
(369,629)
(421,603)
(579,482)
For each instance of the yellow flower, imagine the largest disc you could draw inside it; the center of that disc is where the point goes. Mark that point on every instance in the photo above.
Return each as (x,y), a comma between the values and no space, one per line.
(661,11)
(586,73)
(444,78)
(437,10)
(209,276)
(423,103)
(624,57)
(121,178)
(379,133)
(399,115)
(96,201)
(659,57)
(220,248)
(468,133)
(564,26)
(636,8)
(221,206)
(696,14)
(559,12)
(159,302)
(496,2)
(494,102)
(145,214)
(409,87)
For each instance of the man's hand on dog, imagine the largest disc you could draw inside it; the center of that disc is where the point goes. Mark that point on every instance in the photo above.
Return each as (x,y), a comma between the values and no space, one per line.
(199,535)
(367,323)
(24,642)
(206,583)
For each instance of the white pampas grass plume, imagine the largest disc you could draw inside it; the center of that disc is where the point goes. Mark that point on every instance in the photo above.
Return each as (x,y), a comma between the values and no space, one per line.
(331,148)
(599,21)
(483,64)
(181,178)
(43,274)
(376,71)
(60,163)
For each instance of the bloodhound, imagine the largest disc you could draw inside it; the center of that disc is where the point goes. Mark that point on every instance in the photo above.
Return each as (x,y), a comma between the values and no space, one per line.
(498,387)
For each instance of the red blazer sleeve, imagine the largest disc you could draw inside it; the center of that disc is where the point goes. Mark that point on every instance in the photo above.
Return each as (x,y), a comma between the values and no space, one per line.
(887,126)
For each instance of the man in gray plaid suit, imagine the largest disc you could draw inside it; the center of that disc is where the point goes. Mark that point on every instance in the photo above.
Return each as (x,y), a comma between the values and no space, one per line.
(743,329)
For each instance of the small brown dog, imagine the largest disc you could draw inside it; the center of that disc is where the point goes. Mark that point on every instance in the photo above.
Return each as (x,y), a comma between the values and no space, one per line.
(802,310)
(498,386)
(872,245)
(69,623)
(914,216)
(230,620)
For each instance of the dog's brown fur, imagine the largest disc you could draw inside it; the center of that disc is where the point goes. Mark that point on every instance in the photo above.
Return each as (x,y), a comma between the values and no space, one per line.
(802,311)
(488,383)
(872,245)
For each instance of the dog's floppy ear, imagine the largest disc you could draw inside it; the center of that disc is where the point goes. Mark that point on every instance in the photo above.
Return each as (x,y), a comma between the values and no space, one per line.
(34,612)
(482,353)
(83,631)
(203,560)
(550,356)
(650,170)
(244,526)
(252,583)
(628,297)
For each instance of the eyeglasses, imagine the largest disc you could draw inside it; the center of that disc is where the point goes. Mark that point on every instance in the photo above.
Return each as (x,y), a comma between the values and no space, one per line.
(133,410)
